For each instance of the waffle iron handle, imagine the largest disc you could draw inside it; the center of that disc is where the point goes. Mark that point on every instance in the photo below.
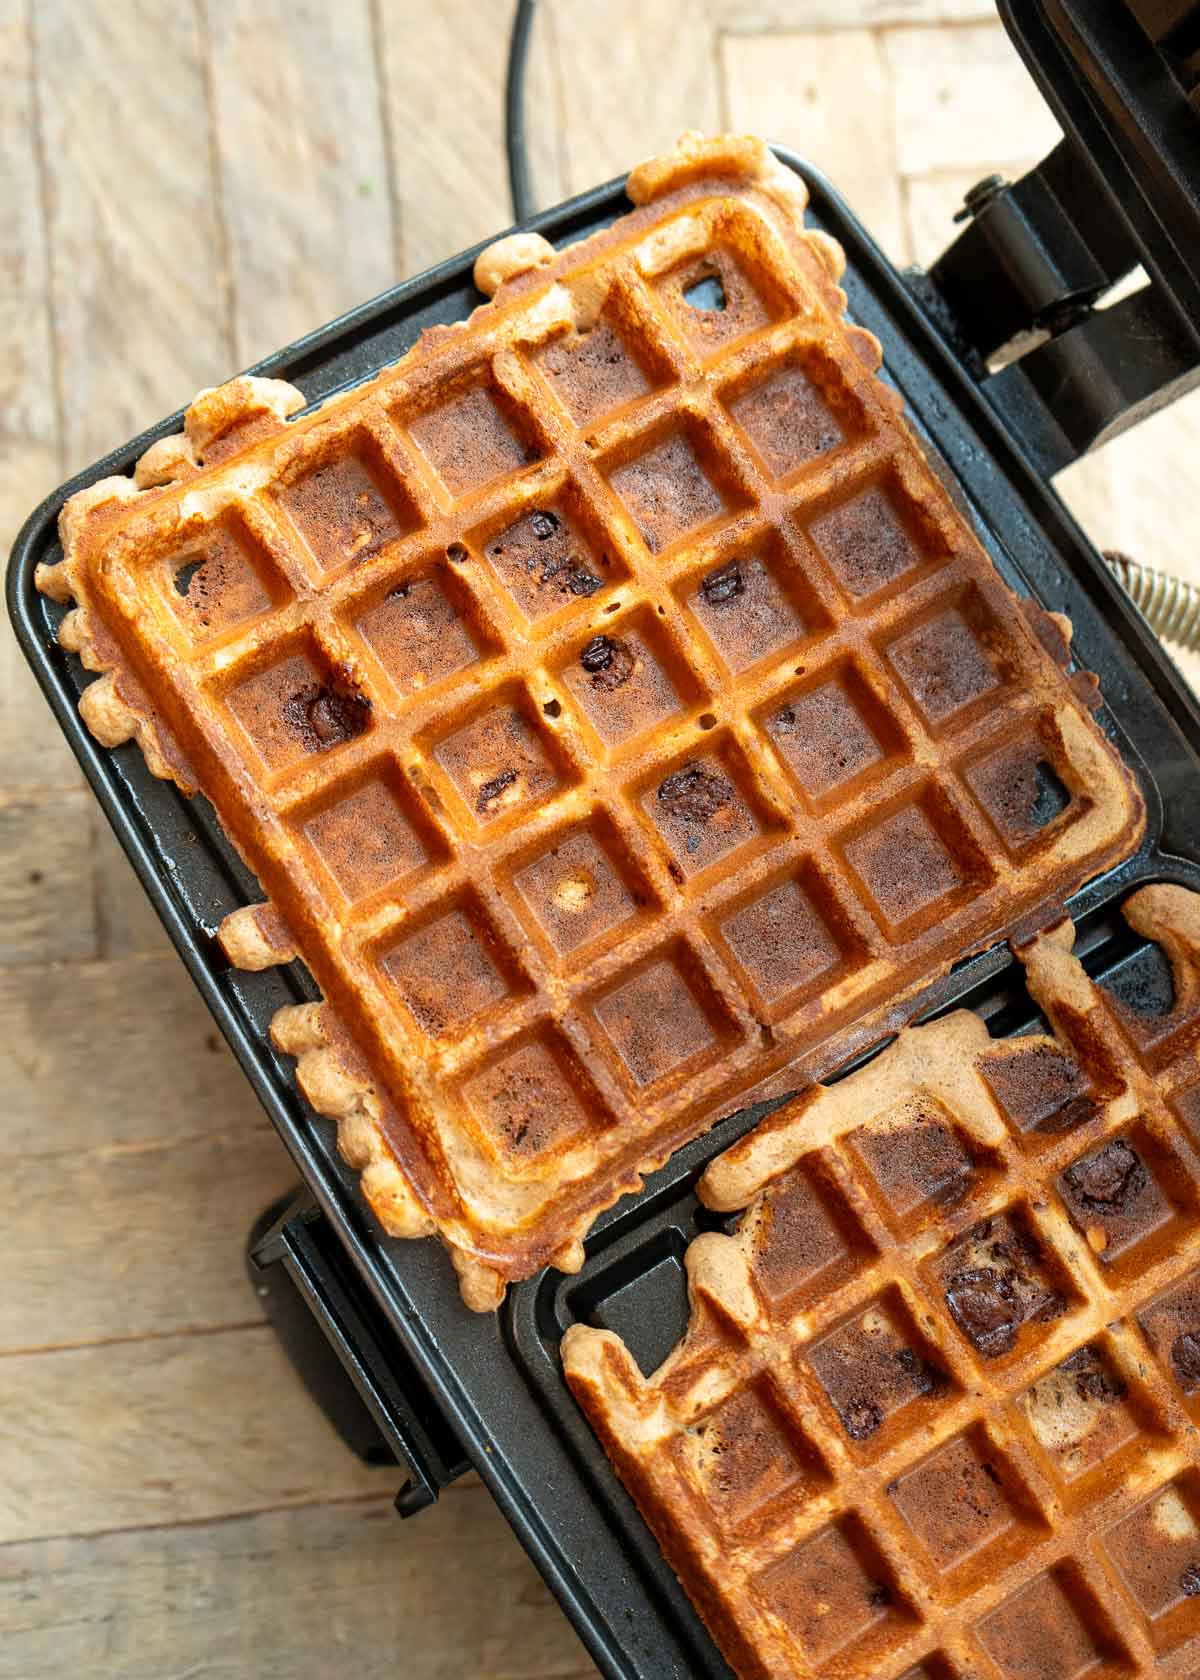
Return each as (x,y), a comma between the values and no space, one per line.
(355,1371)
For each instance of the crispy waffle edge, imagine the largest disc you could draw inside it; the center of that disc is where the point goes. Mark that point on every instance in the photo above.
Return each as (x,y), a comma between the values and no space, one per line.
(1078,1406)
(226,430)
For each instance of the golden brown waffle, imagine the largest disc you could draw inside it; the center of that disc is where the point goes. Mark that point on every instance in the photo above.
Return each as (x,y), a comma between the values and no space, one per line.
(935,1412)
(608,697)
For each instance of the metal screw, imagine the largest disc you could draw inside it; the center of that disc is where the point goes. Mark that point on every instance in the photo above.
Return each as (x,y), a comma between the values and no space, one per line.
(980,195)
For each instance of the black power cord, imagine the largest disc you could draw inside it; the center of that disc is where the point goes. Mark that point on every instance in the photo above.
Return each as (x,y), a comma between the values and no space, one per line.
(520,181)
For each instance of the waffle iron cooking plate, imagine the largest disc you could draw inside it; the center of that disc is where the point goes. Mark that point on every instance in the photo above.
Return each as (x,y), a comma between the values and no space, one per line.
(451,1388)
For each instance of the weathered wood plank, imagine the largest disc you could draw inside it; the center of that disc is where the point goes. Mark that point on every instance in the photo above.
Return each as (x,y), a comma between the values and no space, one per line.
(135,1240)
(126,924)
(34,756)
(139,297)
(303,169)
(27,386)
(792,88)
(1126,496)
(755,16)
(294,1593)
(636,73)
(46,905)
(546,113)
(962,99)
(109,1053)
(33,753)
(444,115)
(443,77)
(930,202)
(175,1429)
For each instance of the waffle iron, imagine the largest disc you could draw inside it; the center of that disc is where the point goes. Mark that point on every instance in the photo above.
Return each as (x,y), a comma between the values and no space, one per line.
(375,1327)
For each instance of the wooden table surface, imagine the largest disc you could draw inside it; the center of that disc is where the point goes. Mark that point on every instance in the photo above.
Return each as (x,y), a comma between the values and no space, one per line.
(185,187)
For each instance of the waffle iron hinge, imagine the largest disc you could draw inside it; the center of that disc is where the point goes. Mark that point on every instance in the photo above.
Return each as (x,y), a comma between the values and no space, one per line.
(1018,293)
(353,1367)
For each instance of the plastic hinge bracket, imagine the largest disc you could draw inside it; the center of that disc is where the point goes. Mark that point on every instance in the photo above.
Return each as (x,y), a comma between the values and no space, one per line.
(1023,280)
(353,1367)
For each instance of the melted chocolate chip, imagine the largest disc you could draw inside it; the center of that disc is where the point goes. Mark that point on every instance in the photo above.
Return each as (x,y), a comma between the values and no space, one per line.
(493,789)
(1093,1380)
(694,793)
(1189,1580)
(725,584)
(598,654)
(861,1419)
(579,581)
(926,1377)
(325,716)
(544,525)
(1098,1385)
(1185,1355)
(609,663)
(570,576)
(983,1304)
(1105,1181)
(185,574)
(336,717)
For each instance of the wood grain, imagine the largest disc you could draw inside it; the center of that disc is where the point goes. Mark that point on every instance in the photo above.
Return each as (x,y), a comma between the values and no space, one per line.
(962,99)
(34,756)
(101,1054)
(27,385)
(765,16)
(636,73)
(148,1238)
(33,753)
(443,70)
(1126,496)
(126,922)
(930,203)
(46,906)
(167,1430)
(139,297)
(303,165)
(793,88)
(321,1590)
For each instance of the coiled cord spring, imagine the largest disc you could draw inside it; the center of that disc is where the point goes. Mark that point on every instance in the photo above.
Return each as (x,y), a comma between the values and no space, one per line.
(1171,606)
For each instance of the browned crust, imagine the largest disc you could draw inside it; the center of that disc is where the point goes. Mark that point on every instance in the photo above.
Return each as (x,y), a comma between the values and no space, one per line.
(598,1365)
(236,439)
(738,1331)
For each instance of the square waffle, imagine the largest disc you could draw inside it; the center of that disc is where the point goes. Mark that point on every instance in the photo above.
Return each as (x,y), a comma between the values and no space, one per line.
(609,698)
(935,1411)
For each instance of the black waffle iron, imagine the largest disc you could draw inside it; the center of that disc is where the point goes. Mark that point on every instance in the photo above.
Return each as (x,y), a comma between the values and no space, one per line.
(376,1327)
